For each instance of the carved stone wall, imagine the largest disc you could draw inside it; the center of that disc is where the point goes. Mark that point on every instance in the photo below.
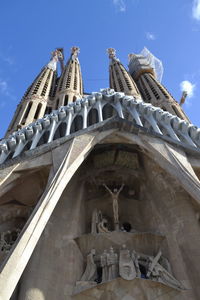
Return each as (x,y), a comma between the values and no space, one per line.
(161,217)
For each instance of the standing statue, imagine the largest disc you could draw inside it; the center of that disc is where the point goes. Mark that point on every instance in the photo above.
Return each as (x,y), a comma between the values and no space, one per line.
(104,265)
(112,261)
(115,195)
(135,258)
(126,266)
(90,273)
(95,220)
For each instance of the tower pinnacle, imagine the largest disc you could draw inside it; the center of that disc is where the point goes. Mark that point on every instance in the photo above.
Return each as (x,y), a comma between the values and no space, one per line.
(150,88)
(34,101)
(75,51)
(70,84)
(111,52)
(120,79)
(56,55)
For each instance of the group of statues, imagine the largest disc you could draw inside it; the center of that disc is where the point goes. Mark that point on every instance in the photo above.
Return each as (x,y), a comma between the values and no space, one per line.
(124,263)
(127,264)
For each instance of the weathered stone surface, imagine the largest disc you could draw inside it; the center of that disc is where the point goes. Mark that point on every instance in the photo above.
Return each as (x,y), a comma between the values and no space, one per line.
(120,289)
(159,200)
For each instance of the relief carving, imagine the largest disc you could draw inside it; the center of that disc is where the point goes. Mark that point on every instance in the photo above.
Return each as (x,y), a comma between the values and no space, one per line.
(125,263)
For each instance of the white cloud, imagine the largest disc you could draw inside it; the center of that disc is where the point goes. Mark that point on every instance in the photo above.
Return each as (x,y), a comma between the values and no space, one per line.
(7,59)
(3,87)
(196,9)
(150,36)
(5,90)
(188,87)
(120,5)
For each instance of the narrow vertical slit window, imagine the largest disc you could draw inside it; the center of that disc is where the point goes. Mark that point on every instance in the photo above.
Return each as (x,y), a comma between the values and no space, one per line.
(37,111)
(66,100)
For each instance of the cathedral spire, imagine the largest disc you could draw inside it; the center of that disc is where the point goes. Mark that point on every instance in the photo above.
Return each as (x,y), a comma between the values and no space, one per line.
(34,101)
(120,79)
(70,84)
(150,88)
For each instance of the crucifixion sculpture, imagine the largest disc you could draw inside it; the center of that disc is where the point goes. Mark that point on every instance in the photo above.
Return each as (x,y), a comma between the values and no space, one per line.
(115,196)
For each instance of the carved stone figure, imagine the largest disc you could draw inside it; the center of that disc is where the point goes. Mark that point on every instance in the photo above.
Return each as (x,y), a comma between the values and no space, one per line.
(112,261)
(104,265)
(135,258)
(162,275)
(90,273)
(157,272)
(102,226)
(153,263)
(115,195)
(163,261)
(98,222)
(126,266)
(111,52)
(95,220)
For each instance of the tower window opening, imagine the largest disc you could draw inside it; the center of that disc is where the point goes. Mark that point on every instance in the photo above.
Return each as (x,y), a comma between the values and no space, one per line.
(144,90)
(39,82)
(28,90)
(46,85)
(68,82)
(152,87)
(75,77)
(119,81)
(26,113)
(66,100)
(37,111)
(75,83)
(159,86)
(57,103)
(61,81)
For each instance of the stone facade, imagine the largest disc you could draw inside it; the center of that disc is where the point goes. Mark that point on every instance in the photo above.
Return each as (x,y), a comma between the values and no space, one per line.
(107,211)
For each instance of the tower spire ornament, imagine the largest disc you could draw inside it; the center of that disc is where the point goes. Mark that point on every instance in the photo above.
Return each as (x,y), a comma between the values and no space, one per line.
(70,84)
(75,51)
(111,52)
(55,56)
(120,79)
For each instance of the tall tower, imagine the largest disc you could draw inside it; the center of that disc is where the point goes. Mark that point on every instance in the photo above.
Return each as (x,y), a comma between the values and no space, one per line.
(34,101)
(70,84)
(120,79)
(150,88)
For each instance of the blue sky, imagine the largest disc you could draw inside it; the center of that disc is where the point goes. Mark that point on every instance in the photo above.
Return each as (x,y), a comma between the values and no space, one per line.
(30,30)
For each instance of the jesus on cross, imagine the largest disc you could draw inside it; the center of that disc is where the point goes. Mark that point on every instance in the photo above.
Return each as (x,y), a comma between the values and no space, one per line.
(115,195)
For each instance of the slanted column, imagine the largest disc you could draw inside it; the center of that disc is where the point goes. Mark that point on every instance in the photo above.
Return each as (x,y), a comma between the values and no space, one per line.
(120,79)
